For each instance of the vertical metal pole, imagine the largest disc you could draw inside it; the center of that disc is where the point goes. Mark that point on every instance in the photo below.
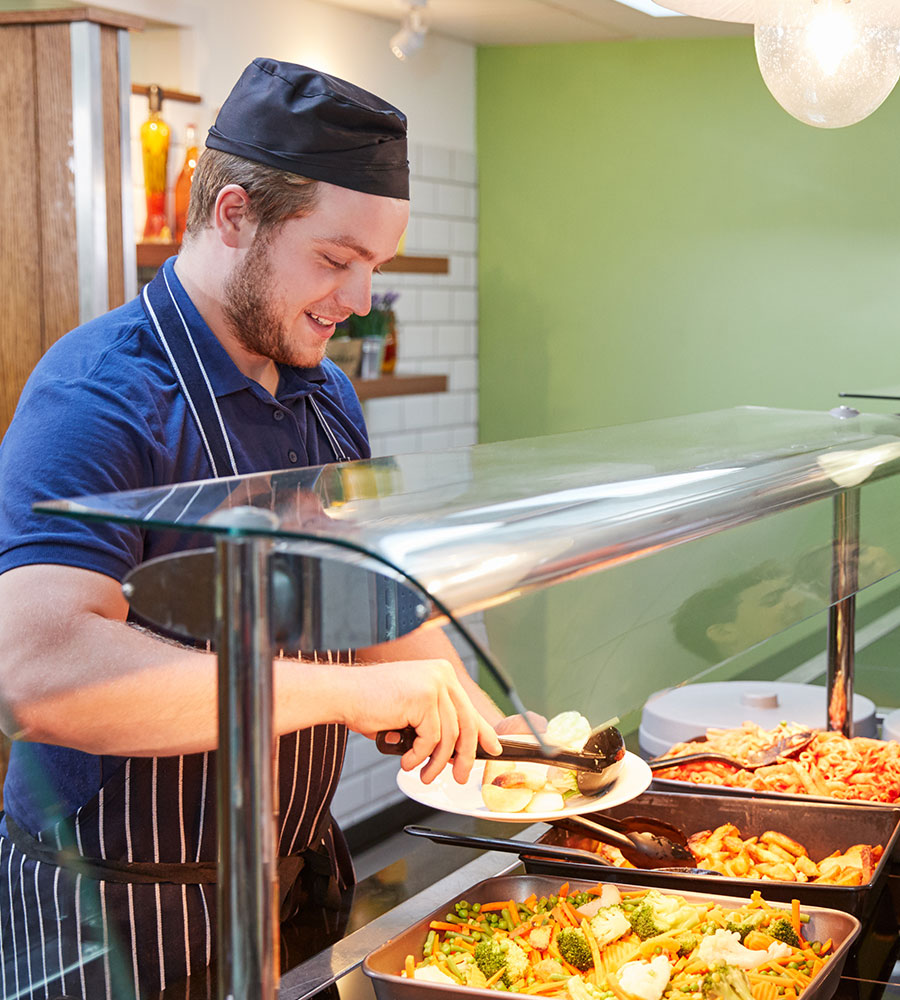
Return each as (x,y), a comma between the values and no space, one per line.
(842,613)
(246,825)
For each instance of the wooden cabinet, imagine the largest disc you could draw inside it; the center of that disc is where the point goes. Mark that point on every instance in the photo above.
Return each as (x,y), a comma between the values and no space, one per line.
(67,252)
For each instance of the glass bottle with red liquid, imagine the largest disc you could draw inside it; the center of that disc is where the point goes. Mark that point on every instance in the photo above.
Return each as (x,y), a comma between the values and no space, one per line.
(155,154)
(183,184)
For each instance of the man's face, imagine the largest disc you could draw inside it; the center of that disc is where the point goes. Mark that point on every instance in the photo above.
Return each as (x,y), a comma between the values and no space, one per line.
(292,286)
(762,610)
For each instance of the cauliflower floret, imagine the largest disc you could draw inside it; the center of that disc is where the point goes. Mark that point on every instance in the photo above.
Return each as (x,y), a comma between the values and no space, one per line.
(568,729)
(516,960)
(580,990)
(539,938)
(725,947)
(646,980)
(475,977)
(432,974)
(609,924)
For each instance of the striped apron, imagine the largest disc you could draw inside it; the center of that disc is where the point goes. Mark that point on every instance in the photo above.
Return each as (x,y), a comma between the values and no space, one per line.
(118,901)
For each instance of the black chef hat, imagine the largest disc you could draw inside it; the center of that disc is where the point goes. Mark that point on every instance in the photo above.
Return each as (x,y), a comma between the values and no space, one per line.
(297,119)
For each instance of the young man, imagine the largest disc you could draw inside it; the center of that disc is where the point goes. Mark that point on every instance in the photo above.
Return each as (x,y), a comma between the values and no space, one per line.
(216,369)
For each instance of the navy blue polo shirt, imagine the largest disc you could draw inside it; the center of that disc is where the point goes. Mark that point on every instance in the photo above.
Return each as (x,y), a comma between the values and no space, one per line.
(103,412)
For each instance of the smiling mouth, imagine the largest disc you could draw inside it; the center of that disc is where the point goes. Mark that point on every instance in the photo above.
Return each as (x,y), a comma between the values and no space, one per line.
(321,320)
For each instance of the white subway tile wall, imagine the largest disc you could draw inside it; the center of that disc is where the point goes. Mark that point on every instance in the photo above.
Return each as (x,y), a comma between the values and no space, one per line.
(437,334)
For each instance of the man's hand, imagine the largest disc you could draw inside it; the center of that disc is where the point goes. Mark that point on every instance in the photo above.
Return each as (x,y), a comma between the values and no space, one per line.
(424,694)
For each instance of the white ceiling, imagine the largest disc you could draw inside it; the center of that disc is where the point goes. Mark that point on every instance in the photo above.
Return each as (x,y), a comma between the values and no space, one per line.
(532,22)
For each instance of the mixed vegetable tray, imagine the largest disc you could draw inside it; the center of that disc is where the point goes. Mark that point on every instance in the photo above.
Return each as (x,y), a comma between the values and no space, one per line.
(583,940)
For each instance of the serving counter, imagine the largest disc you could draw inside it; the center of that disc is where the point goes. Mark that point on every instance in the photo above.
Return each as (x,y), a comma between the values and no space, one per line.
(501,545)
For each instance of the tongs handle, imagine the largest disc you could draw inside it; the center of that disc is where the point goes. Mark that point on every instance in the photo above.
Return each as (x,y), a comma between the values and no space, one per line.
(513,750)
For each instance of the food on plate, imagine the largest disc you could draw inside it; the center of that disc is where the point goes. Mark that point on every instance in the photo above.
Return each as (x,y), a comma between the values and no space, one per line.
(507,786)
(831,766)
(772,856)
(604,944)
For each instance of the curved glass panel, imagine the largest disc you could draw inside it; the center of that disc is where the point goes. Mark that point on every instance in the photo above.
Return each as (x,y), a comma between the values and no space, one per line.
(485,531)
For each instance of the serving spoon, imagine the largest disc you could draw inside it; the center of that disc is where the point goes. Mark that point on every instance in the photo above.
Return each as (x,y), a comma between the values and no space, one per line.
(782,749)
(596,765)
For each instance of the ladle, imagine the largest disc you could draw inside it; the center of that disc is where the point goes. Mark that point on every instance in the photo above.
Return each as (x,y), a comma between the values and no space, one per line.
(637,856)
(597,765)
(786,747)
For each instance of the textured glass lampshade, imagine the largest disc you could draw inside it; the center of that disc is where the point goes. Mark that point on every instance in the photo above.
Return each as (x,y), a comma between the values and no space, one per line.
(829,63)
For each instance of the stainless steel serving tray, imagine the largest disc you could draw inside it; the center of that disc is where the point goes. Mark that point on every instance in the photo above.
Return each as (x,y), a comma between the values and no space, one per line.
(677,785)
(384,964)
(820,827)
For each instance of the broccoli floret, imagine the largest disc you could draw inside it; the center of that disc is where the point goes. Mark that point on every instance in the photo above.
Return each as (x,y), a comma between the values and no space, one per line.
(574,948)
(490,958)
(659,913)
(751,923)
(782,930)
(643,923)
(687,945)
(726,982)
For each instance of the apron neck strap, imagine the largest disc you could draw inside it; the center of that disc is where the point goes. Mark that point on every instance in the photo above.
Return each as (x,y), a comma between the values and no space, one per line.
(174,334)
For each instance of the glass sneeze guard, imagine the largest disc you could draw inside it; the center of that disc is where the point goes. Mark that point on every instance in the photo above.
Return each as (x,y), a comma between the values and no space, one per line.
(465,531)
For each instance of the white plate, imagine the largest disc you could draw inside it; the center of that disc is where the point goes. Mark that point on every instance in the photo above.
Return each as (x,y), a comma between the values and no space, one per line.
(445,794)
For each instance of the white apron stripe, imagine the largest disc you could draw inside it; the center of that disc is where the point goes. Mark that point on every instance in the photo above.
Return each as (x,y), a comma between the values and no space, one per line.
(12,921)
(308,735)
(209,388)
(183,855)
(159,939)
(128,850)
(201,829)
(100,822)
(3,847)
(154,803)
(62,974)
(134,956)
(78,935)
(187,932)
(37,896)
(290,804)
(335,765)
(178,376)
(107,975)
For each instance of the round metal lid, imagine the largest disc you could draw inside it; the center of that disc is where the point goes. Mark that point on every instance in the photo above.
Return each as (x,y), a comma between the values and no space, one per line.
(677,714)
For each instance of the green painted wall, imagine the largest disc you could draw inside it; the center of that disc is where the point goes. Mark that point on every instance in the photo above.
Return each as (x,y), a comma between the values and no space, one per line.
(657,237)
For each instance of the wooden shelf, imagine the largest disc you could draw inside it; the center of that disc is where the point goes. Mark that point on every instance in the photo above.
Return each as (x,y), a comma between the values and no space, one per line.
(143,90)
(417,265)
(398,385)
(153,255)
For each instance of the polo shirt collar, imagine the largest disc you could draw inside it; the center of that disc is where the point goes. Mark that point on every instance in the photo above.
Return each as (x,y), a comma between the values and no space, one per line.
(224,375)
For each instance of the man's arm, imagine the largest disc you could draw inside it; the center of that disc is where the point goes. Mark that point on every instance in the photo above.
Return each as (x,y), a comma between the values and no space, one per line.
(75,674)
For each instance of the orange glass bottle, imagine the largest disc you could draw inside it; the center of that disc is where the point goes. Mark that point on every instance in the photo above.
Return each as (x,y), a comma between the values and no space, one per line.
(183,184)
(155,155)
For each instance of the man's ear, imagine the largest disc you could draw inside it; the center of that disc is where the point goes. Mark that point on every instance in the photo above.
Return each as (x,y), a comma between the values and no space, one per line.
(231,217)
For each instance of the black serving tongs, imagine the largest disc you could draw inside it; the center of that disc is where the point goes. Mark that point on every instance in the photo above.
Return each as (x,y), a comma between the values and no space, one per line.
(597,765)
(644,854)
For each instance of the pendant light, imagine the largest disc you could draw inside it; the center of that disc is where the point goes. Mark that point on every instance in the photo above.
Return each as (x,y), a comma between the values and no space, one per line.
(829,63)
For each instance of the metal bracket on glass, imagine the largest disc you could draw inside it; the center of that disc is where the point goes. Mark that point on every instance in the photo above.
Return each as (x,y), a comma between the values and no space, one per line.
(842,612)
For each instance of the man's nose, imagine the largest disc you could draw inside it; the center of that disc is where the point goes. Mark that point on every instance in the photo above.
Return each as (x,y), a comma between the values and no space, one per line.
(355,292)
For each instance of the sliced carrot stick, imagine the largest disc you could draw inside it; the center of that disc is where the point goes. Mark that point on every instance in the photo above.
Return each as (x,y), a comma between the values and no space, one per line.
(513,911)
(410,967)
(563,890)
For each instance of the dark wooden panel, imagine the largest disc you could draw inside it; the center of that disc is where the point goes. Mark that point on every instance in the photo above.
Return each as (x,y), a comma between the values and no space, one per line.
(20,303)
(112,138)
(59,261)
(143,90)
(398,385)
(417,265)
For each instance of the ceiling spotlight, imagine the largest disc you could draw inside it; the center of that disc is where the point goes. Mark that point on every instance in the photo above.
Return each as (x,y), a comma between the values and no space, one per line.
(829,63)
(411,35)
